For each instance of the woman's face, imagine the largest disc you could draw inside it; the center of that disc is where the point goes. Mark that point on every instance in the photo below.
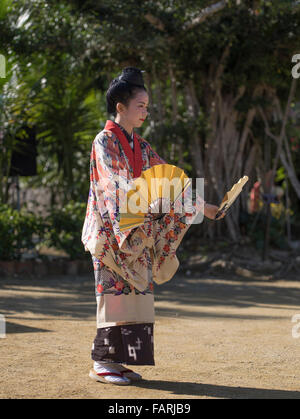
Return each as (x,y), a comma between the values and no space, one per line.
(137,110)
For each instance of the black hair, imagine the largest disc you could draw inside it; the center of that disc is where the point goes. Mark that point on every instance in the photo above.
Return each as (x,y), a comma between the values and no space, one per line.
(123,88)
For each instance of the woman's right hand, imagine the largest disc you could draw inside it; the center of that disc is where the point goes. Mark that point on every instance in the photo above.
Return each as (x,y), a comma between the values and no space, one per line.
(210,211)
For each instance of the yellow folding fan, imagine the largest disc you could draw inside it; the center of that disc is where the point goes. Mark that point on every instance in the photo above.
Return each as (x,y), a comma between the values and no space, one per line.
(164,181)
(231,196)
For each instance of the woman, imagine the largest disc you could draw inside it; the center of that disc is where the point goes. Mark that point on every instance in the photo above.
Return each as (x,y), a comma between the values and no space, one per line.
(126,263)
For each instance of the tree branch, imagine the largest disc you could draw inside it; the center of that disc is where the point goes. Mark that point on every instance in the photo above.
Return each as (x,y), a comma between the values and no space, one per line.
(205,13)
(155,22)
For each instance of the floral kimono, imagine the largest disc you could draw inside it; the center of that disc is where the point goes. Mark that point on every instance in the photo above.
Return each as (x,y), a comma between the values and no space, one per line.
(127,262)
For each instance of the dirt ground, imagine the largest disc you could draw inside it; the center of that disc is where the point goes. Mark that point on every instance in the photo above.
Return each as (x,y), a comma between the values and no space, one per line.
(215,336)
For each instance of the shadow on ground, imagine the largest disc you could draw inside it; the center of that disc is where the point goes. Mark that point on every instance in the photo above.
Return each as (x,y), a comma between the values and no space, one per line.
(73,297)
(20,328)
(216,391)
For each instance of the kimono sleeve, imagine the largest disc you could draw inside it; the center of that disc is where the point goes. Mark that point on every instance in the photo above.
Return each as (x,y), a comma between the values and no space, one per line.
(112,180)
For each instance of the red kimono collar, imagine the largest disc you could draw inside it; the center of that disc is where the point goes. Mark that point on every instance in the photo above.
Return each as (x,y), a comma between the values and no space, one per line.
(135,158)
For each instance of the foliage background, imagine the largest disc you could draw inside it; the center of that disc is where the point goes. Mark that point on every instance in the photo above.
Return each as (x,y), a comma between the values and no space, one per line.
(218,74)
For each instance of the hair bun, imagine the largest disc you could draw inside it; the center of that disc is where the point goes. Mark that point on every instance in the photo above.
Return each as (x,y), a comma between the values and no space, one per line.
(133,76)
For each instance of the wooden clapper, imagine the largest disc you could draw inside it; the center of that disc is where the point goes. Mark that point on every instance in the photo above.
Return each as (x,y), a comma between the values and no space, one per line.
(231,196)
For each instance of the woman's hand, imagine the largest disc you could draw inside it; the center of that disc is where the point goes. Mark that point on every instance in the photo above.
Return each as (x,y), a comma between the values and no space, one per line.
(210,211)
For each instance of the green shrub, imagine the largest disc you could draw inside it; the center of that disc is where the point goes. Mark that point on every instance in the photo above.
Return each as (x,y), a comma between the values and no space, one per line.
(64,228)
(19,230)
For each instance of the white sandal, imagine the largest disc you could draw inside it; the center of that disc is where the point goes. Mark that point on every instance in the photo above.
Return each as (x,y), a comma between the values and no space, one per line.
(115,378)
(126,372)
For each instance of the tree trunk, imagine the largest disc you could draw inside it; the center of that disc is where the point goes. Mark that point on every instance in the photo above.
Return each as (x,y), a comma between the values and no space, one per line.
(175,145)
(195,140)
(283,152)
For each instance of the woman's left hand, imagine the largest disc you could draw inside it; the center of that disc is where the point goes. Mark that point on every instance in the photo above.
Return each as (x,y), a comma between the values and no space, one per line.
(210,211)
